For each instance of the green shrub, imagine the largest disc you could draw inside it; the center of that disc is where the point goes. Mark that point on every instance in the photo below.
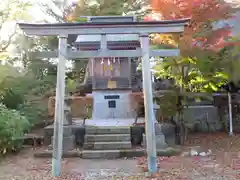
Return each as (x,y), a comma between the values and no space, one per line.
(12,127)
(35,112)
(12,99)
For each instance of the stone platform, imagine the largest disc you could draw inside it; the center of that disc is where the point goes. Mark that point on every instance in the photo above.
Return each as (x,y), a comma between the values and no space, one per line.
(108,154)
(108,141)
(136,133)
(78,129)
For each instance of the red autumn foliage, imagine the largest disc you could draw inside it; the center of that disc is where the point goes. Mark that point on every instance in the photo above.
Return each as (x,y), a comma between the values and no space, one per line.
(203,14)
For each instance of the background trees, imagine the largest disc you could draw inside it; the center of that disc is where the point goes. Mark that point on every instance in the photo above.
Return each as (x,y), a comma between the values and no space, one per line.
(206,60)
(198,66)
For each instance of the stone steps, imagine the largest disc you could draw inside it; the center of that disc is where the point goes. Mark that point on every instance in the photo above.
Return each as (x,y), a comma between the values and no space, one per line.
(106,142)
(108,130)
(107,145)
(107,137)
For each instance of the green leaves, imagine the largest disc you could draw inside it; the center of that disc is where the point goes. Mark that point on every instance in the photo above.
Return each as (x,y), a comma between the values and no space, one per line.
(12,127)
(71,85)
(102,8)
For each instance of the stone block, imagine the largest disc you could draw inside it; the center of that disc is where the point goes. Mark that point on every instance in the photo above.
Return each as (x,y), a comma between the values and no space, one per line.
(67,131)
(78,131)
(137,135)
(68,143)
(67,154)
(160,141)
(79,135)
(158,128)
(170,140)
(107,145)
(112,154)
(47,133)
(100,154)
(167,129)
(129,153)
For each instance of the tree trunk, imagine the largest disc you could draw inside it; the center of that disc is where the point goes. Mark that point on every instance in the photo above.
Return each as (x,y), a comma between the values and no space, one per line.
(181,129)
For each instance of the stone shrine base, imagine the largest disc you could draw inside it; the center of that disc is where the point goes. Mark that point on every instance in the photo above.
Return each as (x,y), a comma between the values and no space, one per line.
(115,138)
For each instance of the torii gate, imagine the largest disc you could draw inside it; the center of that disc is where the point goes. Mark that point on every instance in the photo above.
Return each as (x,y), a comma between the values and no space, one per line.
(143,29)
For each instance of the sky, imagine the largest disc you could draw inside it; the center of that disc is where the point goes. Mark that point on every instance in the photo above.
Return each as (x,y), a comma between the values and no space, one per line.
(38,13)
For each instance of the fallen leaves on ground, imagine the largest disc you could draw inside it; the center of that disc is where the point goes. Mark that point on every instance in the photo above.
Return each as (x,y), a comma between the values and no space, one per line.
(223,163)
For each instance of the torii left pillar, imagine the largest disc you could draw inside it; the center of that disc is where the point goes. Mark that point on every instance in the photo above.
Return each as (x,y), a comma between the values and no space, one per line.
(59,107)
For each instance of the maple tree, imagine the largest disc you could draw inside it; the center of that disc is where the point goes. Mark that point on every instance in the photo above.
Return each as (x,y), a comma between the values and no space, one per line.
(200,64)
(200,43)
(203,13)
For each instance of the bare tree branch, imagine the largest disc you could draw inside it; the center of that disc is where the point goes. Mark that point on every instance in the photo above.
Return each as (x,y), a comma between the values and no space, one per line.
(61,6)
(9,41)
(51,13)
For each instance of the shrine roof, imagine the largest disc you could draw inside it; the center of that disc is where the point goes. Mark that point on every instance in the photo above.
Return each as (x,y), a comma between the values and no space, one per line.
(103,27)
(85,24)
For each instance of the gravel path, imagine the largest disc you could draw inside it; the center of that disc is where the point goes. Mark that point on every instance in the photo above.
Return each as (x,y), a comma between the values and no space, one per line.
(25,167)
(223,164)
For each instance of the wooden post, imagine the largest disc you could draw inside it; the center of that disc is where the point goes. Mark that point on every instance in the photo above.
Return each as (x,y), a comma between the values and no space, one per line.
(93,73)
(103,42)
(59,107)
(230,114)
(148,102)
(130,72)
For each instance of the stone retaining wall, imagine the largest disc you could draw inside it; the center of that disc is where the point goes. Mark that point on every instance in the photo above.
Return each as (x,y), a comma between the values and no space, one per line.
(78,106)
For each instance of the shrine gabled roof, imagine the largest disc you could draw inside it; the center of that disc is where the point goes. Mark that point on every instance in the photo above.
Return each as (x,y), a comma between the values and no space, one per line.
(91,28)
(136,23)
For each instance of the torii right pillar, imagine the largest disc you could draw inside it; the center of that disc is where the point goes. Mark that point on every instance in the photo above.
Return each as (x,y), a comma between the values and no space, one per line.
(148,103)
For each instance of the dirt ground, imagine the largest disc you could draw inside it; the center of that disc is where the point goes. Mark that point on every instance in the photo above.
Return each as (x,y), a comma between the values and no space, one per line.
(224,163)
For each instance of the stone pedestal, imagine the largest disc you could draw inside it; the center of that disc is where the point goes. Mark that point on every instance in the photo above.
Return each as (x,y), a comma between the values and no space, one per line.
(68,139)
(169,132)
(156,107)
(67,112)
(160,138)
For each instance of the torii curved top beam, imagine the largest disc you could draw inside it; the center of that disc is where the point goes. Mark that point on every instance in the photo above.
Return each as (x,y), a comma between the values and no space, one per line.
(137,27)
